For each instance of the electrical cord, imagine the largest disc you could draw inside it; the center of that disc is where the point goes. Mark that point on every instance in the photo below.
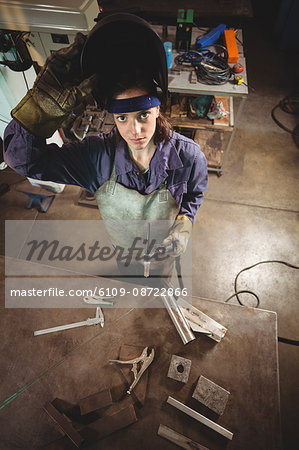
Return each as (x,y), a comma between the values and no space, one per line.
(211,68)
(25,79)
(289,105)
(244,292)
(190,57)
(236,293)
(215,72)
(179,272)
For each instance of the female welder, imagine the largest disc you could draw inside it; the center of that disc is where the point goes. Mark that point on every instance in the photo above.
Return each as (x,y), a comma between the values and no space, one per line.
(142,170)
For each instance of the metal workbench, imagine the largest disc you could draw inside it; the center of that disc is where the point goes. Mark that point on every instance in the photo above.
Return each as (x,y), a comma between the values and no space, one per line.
(244,362)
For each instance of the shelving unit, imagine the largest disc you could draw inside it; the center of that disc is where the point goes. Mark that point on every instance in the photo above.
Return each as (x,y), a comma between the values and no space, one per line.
(211,135)
(179,83)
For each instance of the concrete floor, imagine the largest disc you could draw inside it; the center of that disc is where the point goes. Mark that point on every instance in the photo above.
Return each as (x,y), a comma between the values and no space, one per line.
(250,214)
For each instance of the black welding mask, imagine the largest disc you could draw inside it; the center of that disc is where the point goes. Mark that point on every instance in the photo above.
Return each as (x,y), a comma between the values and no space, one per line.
(118,44)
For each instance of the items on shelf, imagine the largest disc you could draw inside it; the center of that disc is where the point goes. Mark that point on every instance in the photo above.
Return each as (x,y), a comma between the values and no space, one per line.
(199,106)
(184,29)
(202,109)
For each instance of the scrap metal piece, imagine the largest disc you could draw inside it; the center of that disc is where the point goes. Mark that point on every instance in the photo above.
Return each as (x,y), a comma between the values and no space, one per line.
(179,439)
(211,395)
(200,322)
(145,359)
(95,401)
(178,318)
(65,426)
(200,418)
(111,423)
(179,368)
(193,77)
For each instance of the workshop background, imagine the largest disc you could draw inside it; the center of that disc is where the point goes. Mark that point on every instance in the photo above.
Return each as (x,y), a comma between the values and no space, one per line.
(250,212)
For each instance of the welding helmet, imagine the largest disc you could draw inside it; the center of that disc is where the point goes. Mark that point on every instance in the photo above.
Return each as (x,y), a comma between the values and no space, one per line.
(118,43)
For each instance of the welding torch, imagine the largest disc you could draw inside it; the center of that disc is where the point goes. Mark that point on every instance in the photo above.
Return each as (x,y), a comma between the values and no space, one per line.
(155,251)
(146,258)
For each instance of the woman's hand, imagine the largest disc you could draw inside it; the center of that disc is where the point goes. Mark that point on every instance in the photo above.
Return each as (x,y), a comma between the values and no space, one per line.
(57,89)
(176,242)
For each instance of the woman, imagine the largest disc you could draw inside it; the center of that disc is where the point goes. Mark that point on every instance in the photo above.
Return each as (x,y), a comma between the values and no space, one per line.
(141,171)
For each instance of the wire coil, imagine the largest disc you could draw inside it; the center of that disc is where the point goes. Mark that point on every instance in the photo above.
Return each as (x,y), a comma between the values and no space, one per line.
(211,68)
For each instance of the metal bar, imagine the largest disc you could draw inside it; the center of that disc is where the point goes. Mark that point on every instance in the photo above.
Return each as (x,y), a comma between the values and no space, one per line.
(99,400)
(66,427)
(109,424)
(200,418)
(178,318)
(179,439)
(195,317)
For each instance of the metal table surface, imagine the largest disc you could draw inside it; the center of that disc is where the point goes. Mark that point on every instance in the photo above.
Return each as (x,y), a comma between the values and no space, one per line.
(245,363)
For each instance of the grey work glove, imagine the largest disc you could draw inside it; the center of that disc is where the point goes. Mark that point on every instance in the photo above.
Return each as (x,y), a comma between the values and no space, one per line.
(57,89)
(176,242)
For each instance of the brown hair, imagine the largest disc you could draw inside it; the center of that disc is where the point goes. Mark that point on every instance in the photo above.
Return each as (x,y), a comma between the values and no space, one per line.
(163,129)
(141,81)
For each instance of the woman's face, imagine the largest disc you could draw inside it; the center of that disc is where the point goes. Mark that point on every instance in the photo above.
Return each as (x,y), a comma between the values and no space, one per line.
(136,128)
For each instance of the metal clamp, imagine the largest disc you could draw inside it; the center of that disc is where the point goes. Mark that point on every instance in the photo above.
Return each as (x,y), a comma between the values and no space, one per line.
(145,359)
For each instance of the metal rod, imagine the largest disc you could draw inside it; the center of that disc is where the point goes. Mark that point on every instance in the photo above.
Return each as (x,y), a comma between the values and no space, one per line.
(200,418)
(178,318)
(146,259)
(179,439)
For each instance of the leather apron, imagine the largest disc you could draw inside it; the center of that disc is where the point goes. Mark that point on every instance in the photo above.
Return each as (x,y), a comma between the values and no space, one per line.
(126,214)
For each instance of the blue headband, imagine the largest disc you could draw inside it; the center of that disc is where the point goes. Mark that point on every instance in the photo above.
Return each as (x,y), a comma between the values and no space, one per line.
(127,105)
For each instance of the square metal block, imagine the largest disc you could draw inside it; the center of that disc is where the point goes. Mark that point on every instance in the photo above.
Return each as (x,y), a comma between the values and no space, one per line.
(211,395)
(179,368)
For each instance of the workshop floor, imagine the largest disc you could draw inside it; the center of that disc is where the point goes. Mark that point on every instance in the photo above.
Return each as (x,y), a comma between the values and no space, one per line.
(250,214)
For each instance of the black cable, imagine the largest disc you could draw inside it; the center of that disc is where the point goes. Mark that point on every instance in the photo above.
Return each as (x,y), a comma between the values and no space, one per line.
(3,121)
(289,105)
(179,272)
(257,264)
(210,67)
(213,73)
(200,28)
(236,294)
(278,122)
(244,292)
(288,341)
(192,57)
(25,81)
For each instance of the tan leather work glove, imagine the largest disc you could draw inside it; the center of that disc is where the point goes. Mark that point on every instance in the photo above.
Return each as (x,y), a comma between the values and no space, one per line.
(57,89)
(176,242)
